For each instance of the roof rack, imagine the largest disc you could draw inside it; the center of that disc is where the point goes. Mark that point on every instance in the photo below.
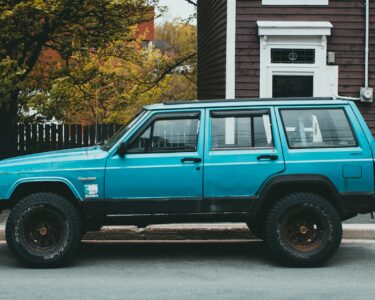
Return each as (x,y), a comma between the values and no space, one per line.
(247,100)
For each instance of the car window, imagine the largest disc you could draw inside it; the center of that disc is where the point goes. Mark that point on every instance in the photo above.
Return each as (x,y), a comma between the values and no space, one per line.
(317,128)
(240,130)
(168,135)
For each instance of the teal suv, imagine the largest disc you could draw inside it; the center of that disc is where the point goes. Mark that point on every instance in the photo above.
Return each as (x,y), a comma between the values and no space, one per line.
(291,169)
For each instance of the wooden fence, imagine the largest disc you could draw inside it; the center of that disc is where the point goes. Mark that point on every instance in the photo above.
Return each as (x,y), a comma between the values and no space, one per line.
(33,138)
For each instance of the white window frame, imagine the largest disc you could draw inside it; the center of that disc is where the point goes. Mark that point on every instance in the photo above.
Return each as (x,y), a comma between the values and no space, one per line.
(295,2)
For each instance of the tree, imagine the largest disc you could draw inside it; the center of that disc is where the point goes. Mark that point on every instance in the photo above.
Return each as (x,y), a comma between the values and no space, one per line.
(178,40)
(67,26)
(111,84)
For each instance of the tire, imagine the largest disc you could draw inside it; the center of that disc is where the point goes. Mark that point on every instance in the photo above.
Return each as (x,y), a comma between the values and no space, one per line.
(256,228)
(43,230)
(303,230)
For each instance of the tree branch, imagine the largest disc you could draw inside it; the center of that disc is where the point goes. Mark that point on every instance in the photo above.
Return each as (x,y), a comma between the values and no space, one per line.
(191,2)
(168,70)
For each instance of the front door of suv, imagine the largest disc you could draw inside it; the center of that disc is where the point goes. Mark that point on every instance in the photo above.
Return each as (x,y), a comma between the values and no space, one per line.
(243,151)
(162,169)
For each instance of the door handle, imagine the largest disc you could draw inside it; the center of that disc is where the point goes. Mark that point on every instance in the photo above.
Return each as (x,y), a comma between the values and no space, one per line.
(191,159)
(267,157)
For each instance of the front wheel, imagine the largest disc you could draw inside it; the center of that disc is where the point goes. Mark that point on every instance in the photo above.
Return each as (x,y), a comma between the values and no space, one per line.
(256,228)
(43,230)
(303,230)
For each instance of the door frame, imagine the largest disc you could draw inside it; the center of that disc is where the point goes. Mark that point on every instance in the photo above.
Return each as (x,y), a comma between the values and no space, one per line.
(239,203)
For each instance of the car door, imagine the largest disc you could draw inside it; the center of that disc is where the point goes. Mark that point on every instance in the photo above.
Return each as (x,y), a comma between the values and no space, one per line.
(243,151)
(162,169)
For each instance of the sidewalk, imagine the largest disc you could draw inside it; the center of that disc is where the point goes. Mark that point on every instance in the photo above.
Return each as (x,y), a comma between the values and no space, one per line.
(199,232)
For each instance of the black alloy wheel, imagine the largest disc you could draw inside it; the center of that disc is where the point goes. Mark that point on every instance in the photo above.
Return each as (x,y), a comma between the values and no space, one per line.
(303,230)
(43,230)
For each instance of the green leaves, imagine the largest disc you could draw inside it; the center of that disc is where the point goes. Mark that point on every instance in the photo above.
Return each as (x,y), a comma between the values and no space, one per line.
(82,60)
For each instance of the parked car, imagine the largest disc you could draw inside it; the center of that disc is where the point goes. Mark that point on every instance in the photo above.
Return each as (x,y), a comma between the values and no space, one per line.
(293,170)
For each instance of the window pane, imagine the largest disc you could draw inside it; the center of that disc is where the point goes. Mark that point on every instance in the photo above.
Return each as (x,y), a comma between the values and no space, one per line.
(293,56)
(141,144)
(317,128)
(262,131)
(237,132)
(292,86)
(175,135)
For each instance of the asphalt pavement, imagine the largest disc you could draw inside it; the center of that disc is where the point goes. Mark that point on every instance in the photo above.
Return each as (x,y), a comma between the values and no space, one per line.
(190,271)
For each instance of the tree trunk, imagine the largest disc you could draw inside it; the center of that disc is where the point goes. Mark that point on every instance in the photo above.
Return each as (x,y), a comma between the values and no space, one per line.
(8,126)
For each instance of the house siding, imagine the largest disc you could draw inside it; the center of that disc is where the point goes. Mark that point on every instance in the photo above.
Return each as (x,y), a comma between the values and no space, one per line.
(212,25)
(347,41)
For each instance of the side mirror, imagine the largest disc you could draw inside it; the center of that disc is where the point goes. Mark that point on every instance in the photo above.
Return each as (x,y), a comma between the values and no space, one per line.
(122,149)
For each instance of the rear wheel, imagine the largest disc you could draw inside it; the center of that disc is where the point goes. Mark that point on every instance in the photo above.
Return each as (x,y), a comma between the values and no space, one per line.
(43,230)
(303,230)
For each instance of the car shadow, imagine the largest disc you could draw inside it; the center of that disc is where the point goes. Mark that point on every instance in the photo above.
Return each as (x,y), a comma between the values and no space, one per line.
(253,253)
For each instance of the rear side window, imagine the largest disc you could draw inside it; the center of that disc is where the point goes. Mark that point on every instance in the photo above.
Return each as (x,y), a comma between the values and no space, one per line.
(317,128)
(240,130)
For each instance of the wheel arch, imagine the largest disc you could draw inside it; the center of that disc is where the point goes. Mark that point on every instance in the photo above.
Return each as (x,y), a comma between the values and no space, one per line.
(279,186)
(59,186)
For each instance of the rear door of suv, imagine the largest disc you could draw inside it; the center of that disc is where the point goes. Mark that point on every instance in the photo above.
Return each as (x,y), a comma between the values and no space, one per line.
(242,151)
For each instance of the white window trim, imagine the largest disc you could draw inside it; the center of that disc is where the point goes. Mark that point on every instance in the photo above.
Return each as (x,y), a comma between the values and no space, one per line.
(294,35)
(295,2)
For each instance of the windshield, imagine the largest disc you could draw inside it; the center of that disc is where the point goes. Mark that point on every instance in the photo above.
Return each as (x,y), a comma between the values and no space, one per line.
(120,133)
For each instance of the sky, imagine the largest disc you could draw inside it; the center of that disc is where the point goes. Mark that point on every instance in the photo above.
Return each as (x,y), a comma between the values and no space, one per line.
(176,8)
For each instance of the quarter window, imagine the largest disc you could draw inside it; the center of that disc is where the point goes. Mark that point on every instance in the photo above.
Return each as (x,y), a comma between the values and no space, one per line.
(317,128)
(240,130)
(168,135)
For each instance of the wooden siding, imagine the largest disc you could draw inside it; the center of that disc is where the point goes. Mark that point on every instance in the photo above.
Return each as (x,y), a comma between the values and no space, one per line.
(347,41)
(212,25)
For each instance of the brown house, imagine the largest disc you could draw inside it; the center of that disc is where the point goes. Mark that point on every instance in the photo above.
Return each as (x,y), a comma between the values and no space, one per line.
(287,48)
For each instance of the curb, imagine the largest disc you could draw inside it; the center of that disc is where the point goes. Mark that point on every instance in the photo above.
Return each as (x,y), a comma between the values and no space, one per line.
(180,232)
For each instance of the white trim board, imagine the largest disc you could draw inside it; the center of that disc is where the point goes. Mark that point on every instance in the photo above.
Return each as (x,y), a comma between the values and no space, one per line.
(293,28)
(295,2)
(230,80)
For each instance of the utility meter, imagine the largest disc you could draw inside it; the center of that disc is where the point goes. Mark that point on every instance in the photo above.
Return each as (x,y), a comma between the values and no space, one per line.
(367,94)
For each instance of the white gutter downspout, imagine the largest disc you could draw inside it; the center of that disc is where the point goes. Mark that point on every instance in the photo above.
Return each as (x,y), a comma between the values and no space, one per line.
(230,74)
(367,50)
(367,41)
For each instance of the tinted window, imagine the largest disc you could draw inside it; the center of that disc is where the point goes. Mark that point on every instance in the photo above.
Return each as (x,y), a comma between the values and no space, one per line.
(317,128)
(168,135)
(141,144)
(231,131)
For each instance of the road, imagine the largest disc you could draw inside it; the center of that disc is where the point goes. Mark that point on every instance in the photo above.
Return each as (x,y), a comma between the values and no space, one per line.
(190,271)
